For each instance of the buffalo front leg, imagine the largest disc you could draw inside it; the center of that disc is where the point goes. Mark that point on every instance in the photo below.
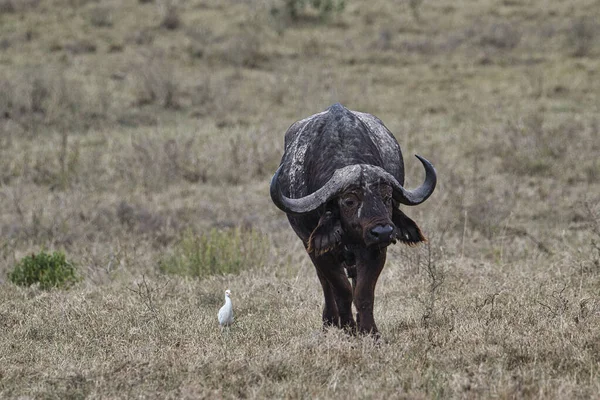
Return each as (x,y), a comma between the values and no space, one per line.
(369,266)
(331,316)
(337,287)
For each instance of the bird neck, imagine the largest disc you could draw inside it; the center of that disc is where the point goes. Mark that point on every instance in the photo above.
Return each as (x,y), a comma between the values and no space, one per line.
(227,300)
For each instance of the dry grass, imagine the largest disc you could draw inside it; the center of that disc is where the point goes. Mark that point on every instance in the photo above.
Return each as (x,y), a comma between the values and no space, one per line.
(140,121)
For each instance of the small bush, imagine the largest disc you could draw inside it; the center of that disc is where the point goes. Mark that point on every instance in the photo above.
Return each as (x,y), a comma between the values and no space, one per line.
(501,36)
(199,40)
(218,252)
(12,6)
(49,270)
(294,8)
(170,16)
(7,6)
(581,36)
(101,17)
(81,46)
(243,50)
(156,81)
(415,9)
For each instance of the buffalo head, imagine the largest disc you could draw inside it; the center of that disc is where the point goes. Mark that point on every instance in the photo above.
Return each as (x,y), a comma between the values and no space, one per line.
(359,205)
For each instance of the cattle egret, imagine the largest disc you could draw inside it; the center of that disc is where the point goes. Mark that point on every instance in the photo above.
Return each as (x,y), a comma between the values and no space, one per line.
(226,312)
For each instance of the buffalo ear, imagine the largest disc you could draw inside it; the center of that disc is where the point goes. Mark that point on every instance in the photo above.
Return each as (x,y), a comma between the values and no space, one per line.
(407,230)
(327,234)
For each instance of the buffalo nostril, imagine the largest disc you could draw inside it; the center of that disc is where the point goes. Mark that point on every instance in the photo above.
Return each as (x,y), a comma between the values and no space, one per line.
(382,232)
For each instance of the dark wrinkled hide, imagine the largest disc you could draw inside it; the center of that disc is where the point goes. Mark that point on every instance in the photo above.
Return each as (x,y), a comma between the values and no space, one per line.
(347,236)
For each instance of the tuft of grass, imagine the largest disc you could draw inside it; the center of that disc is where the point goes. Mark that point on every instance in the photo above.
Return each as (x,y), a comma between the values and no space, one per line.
(217,252)
(47,270)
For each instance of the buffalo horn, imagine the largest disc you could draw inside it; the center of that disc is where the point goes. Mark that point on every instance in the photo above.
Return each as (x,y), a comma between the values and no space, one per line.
(346,176)
(420,194)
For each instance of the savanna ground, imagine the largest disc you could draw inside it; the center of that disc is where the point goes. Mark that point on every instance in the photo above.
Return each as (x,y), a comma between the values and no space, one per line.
(132,131)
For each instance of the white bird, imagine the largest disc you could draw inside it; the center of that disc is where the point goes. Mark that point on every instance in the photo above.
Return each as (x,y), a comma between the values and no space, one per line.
(226,312)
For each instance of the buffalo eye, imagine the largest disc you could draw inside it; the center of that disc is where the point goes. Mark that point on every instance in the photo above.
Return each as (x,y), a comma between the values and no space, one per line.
(349,201)
(387,200)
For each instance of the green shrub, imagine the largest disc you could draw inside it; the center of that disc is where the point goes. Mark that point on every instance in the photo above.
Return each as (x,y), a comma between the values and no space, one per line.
(217,252)
(49,270)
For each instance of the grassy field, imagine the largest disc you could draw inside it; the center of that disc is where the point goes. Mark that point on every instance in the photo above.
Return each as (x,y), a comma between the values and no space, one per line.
(139,137)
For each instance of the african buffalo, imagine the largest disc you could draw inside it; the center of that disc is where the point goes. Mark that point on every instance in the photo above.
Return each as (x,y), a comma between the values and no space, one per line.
(340,184)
